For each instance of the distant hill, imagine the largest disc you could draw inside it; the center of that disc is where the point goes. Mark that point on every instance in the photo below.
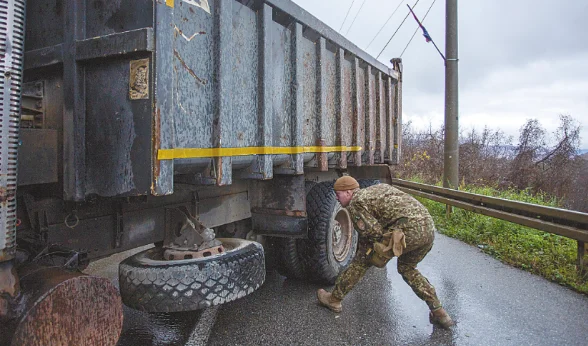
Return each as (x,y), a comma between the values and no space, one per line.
(581,152)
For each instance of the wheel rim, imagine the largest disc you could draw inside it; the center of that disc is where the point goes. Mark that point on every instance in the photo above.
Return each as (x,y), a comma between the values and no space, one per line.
(155,256)
(342,235)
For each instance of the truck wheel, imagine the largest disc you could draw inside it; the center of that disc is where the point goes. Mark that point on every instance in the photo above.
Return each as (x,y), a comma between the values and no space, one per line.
(287,259)
(287,256)
(150,283)
(332,240)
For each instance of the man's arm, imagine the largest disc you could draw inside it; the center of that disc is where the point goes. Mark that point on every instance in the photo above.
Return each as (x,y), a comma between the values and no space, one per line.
(366,225)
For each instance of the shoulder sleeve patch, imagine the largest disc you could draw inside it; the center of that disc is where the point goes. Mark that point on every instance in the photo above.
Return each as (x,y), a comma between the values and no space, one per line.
(360,225)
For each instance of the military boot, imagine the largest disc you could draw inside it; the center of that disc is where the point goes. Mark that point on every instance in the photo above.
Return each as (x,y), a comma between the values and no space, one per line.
(326,299)
(441,317)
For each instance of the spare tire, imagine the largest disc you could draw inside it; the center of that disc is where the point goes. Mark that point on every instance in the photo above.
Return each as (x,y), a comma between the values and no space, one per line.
(150,283)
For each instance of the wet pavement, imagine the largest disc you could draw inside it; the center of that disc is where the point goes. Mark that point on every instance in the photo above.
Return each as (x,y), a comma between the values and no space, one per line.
(493,304)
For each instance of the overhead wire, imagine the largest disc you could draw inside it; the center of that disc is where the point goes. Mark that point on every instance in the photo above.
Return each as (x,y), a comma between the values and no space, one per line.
(357,14)
(418,27)
(394,34)
(387,20)
(349,10)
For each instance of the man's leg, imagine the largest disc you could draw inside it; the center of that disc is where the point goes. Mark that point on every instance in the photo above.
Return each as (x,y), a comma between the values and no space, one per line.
(407,264)
(351,276)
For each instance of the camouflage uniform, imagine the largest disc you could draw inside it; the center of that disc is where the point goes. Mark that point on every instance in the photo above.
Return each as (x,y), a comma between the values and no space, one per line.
(382,208)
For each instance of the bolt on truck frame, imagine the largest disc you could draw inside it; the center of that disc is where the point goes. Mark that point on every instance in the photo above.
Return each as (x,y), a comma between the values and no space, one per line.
(190,124)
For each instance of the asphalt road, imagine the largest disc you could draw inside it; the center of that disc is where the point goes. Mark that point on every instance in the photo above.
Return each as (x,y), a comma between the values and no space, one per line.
(493,304)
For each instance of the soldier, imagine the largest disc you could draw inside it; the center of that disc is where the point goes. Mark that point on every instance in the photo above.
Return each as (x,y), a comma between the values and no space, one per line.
(390,223)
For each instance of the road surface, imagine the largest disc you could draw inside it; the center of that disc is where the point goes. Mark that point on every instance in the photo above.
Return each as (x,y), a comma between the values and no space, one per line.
(493,304)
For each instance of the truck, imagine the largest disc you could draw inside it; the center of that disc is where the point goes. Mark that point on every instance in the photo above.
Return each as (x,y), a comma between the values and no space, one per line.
(213,129)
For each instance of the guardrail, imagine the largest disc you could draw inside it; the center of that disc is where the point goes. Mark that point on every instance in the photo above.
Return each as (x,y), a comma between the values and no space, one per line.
(567,223)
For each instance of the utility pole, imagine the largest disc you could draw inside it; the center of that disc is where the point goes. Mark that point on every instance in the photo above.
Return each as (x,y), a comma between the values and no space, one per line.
(451,152)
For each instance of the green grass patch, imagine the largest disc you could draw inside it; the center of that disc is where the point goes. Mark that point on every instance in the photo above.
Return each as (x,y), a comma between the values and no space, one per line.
(549,255)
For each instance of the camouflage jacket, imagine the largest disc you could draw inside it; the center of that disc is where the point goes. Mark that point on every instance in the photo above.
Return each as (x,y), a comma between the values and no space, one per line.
(381,208)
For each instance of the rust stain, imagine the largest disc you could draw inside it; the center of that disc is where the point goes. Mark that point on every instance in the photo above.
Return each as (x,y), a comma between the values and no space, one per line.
(219,174)
(198,79)
(321,158)
(93,302)
(6,194)
(293,213)
(156,141)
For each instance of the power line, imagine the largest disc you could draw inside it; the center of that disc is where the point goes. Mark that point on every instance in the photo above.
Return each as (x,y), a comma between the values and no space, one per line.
(418,27)
(349,10)
(387,20)
(357,14)
(394,34)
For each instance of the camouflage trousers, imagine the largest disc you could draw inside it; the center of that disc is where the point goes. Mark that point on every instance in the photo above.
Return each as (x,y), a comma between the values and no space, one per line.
(407,263)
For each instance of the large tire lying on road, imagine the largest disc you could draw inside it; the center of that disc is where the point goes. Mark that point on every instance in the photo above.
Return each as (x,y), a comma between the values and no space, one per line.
(150,283)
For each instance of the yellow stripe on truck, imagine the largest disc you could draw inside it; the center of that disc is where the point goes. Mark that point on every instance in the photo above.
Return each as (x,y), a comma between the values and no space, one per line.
(192,153)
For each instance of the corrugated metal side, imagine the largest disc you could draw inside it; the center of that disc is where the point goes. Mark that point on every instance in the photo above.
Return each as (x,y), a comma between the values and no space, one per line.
(232,76)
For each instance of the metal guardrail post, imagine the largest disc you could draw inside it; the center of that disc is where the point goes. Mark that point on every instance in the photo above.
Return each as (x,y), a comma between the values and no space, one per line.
(582,264)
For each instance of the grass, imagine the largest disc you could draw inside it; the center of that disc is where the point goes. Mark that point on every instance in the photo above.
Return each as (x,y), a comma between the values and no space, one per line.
(549,255)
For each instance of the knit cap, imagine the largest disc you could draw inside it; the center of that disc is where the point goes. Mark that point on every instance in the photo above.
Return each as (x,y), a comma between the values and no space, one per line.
(346,183)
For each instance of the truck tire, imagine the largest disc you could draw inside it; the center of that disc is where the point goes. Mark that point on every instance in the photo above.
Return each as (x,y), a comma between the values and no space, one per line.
(287,256)
(150,283)
(325,256)
(287,260)
(331,244)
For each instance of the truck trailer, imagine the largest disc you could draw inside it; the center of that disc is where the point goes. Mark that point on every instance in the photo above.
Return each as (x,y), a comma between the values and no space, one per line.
(213,129)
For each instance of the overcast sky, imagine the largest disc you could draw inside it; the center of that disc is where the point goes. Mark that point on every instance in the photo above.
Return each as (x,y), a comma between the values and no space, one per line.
(518,60)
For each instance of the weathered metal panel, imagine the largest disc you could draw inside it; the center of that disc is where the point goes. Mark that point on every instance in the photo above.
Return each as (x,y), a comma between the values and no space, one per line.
(45,19)
(282,74)
(74,112)
(321,100)
(309,80)
(118,135)
(370,130)
(380,119)
(193,77)
(262,166)
(362,112)
(244,73)
(389,89)
(106,17)
(262,75)
(330,105)
(397,116)
(37,157)
(163,99)
(340,86)
(347,106)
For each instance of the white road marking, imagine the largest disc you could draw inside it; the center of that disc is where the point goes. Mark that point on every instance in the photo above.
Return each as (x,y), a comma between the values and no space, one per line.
(202,329)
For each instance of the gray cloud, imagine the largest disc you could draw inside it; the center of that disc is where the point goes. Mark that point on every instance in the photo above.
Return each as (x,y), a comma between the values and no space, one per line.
(518,59)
